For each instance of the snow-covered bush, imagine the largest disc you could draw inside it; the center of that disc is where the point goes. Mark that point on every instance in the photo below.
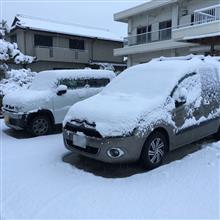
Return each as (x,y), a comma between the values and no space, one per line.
(15,80)
(10,52)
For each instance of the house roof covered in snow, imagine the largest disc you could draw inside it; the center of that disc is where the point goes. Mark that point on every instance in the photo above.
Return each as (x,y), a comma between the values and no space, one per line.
(39,24)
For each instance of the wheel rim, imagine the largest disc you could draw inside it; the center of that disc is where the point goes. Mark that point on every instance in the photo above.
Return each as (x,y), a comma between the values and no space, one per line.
(40,126)
(156,150)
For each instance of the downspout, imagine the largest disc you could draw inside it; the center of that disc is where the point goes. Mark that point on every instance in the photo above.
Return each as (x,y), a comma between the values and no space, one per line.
(92,49)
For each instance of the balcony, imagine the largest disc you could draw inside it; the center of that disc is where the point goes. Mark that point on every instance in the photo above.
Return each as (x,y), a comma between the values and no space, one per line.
(59,54)
(148,37)
(206,23)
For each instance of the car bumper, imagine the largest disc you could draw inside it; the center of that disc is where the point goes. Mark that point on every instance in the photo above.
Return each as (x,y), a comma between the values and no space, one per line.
(15,120)
(99,148)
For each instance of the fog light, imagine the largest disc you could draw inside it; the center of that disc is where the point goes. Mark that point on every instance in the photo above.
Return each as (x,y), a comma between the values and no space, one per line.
(115,152)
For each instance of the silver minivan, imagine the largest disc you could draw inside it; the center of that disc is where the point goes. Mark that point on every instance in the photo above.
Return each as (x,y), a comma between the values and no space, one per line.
(146,111)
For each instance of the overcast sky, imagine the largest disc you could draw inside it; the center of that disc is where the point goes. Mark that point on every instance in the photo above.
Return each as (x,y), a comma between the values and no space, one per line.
(98,13)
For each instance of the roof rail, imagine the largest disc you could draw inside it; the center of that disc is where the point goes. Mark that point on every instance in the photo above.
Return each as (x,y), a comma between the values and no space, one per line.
(188,57)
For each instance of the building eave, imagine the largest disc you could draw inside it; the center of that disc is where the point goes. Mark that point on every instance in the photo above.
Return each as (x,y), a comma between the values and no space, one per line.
(17,27)
(151,47)
(123,16)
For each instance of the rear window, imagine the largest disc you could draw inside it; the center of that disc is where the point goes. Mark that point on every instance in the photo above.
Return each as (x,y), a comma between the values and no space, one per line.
(81,83)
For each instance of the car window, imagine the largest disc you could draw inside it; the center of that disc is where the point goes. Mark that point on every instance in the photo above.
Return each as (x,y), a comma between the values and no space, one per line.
(191,86)
(210,84)
(98,82)
(81,83)
(70,83)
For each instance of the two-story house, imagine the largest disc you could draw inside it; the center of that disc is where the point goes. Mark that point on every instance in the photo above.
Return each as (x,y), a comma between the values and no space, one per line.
(170,28)
(58,45)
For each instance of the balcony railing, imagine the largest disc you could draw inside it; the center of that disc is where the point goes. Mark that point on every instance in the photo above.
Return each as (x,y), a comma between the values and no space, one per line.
(201,16)
(206,15)
(148,37)
(61,54)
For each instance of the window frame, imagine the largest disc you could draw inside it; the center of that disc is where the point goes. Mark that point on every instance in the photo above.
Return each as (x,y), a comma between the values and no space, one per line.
(73,46)
(180,81)
(40,44)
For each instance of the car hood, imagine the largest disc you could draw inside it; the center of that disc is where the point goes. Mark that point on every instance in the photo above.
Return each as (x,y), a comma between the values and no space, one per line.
(113,115)
(27,100)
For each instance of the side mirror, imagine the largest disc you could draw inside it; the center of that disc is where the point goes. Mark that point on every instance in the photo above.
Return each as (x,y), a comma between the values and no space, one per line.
(61,89)
(181,97)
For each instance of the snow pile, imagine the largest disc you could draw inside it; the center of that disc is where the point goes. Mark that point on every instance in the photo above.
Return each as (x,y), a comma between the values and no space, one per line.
(10,51)
(42,180)
(139,92)
(15,80)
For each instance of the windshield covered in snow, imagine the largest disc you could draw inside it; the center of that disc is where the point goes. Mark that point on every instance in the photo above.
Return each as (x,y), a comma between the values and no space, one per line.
(42,82)
(149,80)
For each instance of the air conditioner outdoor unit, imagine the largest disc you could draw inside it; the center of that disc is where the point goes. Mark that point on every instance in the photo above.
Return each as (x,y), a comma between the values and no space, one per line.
(184,12)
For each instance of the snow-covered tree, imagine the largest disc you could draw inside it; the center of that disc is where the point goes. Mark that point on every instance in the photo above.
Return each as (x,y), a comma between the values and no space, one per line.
(9,52)
(4,29)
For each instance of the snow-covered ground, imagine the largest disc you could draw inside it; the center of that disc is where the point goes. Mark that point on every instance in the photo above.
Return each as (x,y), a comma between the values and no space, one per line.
(41,179)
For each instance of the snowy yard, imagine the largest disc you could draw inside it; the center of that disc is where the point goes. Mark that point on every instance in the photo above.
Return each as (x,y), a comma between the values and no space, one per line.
(41,179)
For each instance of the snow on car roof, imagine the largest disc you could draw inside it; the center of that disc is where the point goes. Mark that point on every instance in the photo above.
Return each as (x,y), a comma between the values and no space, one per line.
(47,79)
(78,73)
(153,78)
(64,28)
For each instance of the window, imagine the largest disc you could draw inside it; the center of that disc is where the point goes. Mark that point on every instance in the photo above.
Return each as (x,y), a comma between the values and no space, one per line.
(192,19)
(143,35)
(13,38)
(76,44)
(165,30)
(70,83)
(191,86)
(210,83)
(98,82)
(43,40)
(81,83)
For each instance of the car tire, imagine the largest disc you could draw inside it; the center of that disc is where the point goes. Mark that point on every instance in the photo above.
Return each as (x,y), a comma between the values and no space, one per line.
(154,150)
(40,125)
(217,135)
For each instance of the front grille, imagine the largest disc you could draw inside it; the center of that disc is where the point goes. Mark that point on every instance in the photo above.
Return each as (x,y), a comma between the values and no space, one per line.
(9,108)
(87,131)
(88,149)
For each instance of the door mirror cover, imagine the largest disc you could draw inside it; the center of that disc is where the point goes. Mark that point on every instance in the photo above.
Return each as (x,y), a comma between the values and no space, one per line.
(61,89)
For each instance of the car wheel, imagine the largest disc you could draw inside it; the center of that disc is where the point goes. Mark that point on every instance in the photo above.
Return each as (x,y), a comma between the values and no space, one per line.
(154,150)
(40,125)
(217,135)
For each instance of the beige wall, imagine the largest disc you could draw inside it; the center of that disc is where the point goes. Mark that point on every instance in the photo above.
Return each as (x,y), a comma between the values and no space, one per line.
(95,49)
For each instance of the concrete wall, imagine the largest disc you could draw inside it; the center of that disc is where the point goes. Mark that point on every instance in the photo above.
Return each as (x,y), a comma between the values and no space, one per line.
(172,12)
(145,57)
(149,18)
(47,65)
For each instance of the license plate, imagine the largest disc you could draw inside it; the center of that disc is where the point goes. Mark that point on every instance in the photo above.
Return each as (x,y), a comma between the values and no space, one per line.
(7,119)
(79,140)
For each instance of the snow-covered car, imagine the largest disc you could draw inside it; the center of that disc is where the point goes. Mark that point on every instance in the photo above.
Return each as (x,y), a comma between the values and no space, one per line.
(50,96)
(147,110)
